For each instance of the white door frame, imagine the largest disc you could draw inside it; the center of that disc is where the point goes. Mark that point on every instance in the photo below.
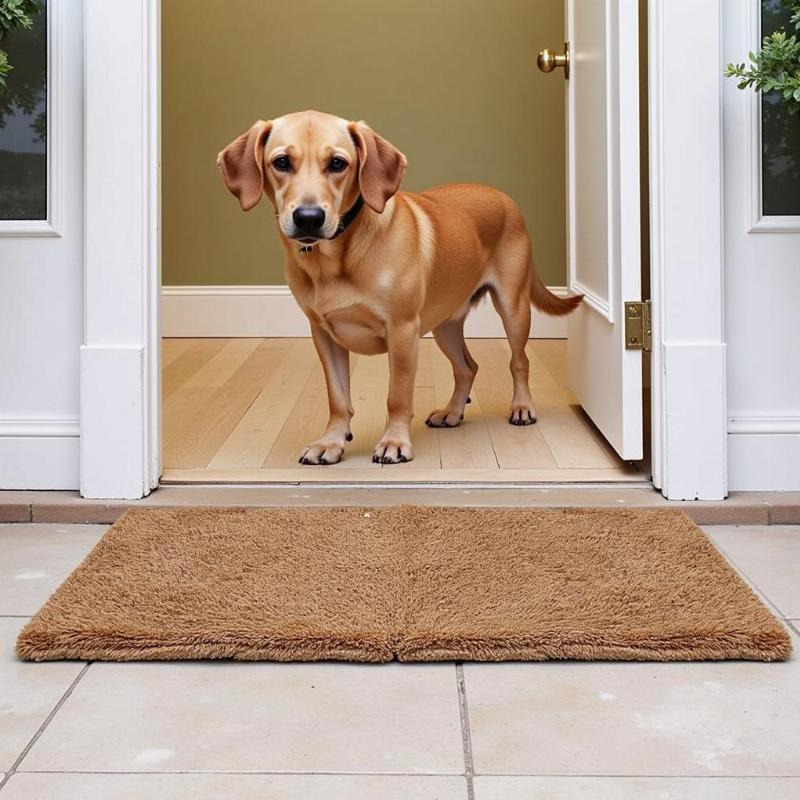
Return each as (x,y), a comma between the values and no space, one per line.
(689,408)
(120,381)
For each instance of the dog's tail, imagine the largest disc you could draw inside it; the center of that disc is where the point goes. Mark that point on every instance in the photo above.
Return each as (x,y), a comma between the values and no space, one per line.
(543,299)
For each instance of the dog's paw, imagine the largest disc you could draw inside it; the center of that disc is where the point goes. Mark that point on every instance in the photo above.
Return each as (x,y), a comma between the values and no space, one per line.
(392,451)
(444,418)
(322,453)
(522,415)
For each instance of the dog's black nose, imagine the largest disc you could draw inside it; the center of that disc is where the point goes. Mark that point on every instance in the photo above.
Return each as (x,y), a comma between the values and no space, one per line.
(308,219)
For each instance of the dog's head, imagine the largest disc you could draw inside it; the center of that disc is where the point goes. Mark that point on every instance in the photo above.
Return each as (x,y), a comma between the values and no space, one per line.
(312,166)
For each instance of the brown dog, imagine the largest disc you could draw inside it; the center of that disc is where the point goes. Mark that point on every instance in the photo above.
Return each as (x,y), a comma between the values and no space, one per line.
(374,269)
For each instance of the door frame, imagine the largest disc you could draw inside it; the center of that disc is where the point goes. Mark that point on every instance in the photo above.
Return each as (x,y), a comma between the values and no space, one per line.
(120,378)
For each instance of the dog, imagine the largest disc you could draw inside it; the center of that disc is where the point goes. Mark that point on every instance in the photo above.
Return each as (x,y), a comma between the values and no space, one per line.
(374,268)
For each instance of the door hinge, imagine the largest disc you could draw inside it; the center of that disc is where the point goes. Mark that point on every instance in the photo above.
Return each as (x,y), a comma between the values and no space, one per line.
(638,326)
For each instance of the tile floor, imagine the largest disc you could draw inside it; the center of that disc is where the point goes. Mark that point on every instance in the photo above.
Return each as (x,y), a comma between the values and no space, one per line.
(343,732)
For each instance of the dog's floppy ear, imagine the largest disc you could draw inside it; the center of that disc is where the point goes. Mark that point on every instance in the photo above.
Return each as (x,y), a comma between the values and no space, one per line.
(242,164)
(380,166)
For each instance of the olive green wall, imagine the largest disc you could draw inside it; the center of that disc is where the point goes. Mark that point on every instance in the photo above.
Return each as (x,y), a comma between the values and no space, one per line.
(452,83)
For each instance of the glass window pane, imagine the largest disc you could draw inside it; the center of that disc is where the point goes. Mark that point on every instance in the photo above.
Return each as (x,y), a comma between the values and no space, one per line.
(780,134)
(23,124)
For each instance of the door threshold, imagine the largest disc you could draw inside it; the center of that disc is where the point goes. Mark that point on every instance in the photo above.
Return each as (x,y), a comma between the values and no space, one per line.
(400,475)
(464,484)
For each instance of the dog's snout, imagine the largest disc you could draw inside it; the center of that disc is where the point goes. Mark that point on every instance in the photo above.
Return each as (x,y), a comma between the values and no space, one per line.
(308,219)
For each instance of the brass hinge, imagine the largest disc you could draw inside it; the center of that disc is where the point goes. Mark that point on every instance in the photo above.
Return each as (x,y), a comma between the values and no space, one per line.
(638,326)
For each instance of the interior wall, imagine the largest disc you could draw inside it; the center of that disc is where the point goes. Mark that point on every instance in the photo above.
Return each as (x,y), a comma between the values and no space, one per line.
(452,83)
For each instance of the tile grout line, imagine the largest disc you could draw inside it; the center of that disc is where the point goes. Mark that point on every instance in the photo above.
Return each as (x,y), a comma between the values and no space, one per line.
(466,737)
(287,773)
(48,719)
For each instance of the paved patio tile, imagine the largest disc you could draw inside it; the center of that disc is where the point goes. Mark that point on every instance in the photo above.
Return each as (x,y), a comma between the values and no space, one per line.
(257,717)
(28,786)
(36,559)
(769,557)
(28,693)
(514,788)
(712,718)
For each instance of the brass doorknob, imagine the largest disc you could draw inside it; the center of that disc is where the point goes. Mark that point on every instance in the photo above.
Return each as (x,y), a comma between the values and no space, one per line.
(549,60)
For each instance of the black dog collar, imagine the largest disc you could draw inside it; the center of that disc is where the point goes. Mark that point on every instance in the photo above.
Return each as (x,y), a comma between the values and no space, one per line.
(344,222)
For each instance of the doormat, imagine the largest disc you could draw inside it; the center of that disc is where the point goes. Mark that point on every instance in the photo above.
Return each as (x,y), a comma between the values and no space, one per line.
(404,582)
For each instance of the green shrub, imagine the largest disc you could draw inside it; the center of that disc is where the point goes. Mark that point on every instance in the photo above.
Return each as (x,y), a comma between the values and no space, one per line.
(776,67)
(14,15)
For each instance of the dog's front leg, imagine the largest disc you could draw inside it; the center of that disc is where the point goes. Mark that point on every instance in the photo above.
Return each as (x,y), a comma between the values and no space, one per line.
(336,363)
(403,344)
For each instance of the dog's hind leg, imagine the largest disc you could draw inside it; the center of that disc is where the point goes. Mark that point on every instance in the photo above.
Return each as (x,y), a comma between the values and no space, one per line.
(450,338)
(516,315)
(511,297)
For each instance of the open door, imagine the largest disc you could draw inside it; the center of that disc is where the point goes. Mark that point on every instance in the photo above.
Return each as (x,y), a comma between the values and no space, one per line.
(601,64)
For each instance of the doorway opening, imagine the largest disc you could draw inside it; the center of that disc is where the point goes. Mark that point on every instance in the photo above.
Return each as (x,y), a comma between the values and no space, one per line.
(455,87)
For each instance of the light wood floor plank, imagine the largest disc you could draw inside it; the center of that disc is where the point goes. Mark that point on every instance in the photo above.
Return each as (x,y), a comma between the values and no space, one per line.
(196,444)
(188,363)
(467,446)
(171,349)
(573,441)
(218,370)
(514,446)
(180,412)
(305,423)
(254,435)
(240,411)
(553,354)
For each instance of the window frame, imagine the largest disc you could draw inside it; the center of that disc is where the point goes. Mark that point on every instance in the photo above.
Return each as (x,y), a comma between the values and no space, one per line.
(51,225)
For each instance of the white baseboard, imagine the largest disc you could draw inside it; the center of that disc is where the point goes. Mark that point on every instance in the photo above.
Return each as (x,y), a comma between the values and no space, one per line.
(764,452)
(39,453)
(198,311)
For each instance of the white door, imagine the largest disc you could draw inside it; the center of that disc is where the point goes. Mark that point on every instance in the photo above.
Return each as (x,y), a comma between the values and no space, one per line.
(762,264)
(41,250)
(603,214)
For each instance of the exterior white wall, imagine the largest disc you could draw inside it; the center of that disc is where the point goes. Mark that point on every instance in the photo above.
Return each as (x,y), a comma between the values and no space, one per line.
(762,288)
(41,300)
(42,306)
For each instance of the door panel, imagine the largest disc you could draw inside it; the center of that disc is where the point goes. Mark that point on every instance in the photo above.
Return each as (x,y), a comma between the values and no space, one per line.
(603,210)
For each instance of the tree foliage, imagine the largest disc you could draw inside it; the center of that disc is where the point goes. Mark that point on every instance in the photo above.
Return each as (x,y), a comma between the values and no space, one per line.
(776,67)
(15,15)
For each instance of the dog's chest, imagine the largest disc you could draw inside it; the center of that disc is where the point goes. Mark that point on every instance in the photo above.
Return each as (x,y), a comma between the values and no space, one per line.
(349,319)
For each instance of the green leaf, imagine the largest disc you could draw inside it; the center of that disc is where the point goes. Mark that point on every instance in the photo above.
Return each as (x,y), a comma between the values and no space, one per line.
(14,15)
(776,66)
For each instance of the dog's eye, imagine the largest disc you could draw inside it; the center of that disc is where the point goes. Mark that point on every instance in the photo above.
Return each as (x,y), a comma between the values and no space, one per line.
(337,164)
(282,163)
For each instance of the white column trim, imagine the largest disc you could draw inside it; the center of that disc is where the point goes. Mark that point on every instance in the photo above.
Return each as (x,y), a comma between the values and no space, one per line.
(119,358)
(689,418)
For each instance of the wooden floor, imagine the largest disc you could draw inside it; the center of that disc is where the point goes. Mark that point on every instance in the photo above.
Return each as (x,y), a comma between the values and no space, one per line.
(240,410)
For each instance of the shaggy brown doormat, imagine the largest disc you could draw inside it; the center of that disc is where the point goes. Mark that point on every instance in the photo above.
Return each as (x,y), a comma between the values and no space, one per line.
(416,584)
